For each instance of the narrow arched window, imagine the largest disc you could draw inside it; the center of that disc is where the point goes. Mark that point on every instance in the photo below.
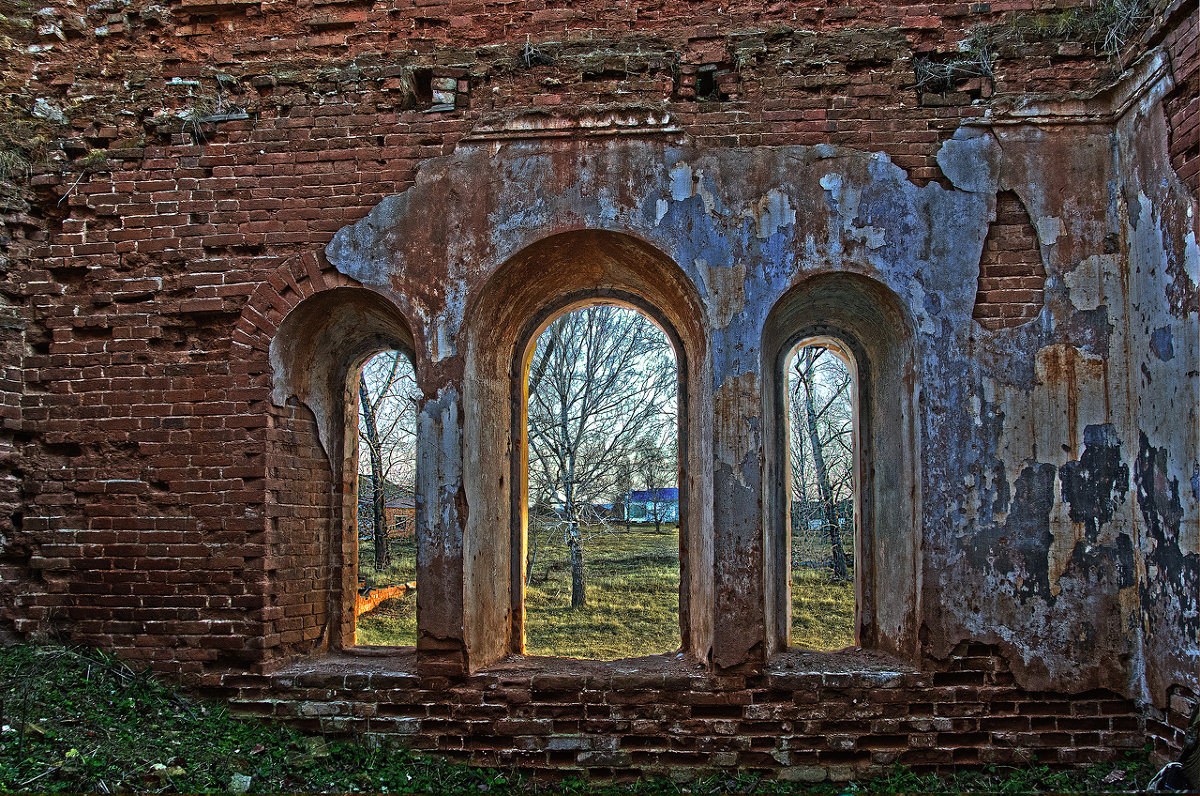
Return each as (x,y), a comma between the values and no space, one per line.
(822,493)
(385,392)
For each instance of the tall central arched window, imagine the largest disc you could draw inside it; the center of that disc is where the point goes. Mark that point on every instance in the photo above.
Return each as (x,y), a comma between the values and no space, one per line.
(821,390)
(601,569)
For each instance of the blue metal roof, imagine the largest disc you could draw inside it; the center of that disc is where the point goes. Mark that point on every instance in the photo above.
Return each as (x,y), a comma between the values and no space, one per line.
(664,493)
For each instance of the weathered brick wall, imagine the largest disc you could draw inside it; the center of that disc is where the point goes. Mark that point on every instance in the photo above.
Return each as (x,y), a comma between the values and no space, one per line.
(1182,105)
(1012,279)
(166,212)
(187,161)
(808,718)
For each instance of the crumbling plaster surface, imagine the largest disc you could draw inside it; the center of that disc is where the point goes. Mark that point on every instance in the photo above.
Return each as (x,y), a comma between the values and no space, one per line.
(1161,349)
(1033,440)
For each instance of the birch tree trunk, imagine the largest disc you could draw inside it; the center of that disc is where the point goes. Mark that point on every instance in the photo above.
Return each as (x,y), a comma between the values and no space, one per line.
(824,488)
(382,554)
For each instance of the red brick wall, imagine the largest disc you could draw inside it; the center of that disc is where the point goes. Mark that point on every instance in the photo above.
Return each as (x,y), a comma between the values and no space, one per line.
(144,426)
(1011,275)
(803,719)
(300,572)
(1183,103)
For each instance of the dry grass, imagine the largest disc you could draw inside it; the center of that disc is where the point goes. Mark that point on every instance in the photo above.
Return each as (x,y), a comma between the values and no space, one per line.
(394,622)
(822,611)
(632,599)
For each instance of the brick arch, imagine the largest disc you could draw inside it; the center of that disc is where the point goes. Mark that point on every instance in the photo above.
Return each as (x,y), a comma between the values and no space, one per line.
(306,581)
(292,281)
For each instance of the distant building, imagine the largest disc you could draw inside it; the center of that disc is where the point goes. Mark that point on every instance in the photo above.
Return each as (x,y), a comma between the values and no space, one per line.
(399,509)
(646,505)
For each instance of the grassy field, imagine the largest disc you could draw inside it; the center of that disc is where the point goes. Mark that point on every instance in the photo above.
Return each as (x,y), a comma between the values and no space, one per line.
(632,596)
(632,599)
(79,721)
(822,611)
(394,623)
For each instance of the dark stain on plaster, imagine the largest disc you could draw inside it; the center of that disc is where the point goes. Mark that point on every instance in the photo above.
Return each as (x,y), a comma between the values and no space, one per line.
(1172,586)
(1019,545)
(1097,483)
(1089,330)
(460,504)
(1127,571)
(1161,344)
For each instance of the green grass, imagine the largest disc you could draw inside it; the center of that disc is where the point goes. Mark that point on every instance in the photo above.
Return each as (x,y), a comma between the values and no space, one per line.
(822,611)
(77,720)
(632,605)
(632,598)
(80,721)
(402,569)
(394,622)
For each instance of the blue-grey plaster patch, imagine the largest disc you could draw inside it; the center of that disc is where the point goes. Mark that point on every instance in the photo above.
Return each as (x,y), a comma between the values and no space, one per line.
(1161,344)
(355,249)
(971,160)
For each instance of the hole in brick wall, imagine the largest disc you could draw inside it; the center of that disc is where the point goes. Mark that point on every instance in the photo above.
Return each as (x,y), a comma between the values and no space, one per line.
(821,415)
(1012,279)
(423,86)
(601,567)
(385,607)
(706,82)
(68,450)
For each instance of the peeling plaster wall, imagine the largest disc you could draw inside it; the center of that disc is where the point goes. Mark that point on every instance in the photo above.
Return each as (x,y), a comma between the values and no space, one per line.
(1160,347)
(1027,445)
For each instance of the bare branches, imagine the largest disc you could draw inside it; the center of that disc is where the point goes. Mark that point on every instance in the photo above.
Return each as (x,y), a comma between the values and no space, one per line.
(601,387)
(821,424)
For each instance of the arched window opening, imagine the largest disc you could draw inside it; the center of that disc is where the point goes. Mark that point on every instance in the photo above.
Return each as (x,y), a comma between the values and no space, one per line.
(385,608)
(821,405)
(601,567)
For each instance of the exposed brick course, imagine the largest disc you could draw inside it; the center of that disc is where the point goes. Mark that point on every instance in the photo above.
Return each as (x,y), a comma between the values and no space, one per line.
(811,718)
(1012,278)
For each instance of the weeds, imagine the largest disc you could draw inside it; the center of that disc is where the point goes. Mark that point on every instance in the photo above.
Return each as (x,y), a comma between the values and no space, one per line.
(14,164)
(79,720)
(1106,26)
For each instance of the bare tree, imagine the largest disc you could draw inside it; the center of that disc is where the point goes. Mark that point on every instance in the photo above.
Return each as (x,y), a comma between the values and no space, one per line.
(822,429)
(386,427)
(600,379)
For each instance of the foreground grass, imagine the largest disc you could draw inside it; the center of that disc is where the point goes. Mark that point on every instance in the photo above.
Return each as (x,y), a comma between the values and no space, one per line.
(79,721)
(74,720)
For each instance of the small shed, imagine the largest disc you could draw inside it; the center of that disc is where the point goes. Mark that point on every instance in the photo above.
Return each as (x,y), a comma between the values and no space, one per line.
(649,505)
